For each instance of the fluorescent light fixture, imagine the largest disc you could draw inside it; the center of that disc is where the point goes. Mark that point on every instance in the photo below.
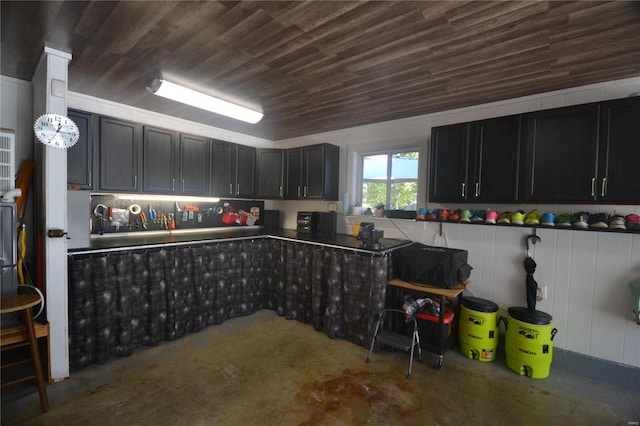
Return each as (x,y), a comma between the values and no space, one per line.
(187,96)
(150,197)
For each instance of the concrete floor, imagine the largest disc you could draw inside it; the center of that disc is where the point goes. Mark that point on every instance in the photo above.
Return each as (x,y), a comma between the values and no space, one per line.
(263,369)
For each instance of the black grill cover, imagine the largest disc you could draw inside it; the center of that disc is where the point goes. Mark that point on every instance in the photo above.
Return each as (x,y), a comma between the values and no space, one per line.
(439,266)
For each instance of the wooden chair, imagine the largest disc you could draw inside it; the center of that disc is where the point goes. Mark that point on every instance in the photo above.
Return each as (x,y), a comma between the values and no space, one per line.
(23,303)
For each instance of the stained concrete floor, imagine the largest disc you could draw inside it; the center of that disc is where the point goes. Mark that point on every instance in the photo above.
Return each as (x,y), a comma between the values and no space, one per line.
(265,370)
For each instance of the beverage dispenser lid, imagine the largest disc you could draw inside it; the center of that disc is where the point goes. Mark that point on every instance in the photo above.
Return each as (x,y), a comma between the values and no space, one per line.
(530,316)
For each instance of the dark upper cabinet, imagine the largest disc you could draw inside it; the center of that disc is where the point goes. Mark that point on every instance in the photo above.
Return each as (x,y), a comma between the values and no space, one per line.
(194,165)
(496,160)
(159,160)
(80,156)
(476,162)
(312,172)
(562,153)
(618,179)
(120,156)
(245,171)
(293,187)
(269,173)
(222,168)
(449,160)
(232,170)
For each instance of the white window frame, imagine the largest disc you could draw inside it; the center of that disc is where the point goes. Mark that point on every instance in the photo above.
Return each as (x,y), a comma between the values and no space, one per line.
(388,152)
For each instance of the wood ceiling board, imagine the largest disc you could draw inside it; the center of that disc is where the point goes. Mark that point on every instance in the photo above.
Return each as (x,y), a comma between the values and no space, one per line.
(319,66)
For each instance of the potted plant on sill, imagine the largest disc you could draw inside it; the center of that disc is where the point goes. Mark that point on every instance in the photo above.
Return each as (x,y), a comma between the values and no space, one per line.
(380,212)
(357,210)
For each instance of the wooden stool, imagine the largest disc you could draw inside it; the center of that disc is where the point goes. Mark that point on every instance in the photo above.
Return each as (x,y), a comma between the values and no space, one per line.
(24,303)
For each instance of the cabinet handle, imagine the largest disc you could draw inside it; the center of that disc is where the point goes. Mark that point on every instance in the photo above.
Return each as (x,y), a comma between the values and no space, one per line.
(298,192)
(477,189)
(182,185)
(173,185)
(230,189)
(305,191)
(237,189)
(593,187)
(604,187)
(135,181)
(464,187)
(280,191)
(90,180)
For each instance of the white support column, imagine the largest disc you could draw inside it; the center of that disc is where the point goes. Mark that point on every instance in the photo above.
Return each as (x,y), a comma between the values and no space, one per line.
(50,96)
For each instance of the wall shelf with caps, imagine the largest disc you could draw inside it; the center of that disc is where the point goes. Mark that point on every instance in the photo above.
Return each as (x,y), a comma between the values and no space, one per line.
(109,215)
(534,228)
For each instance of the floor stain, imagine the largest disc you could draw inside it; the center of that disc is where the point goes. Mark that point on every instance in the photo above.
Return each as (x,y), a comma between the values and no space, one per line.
(230,372)
(355,396)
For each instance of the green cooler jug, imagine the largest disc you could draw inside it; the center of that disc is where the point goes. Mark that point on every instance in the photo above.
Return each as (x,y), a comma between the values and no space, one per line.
(529,342)
(478,328)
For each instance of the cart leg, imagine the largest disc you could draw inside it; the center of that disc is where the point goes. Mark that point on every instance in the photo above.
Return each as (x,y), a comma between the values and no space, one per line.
(439,361)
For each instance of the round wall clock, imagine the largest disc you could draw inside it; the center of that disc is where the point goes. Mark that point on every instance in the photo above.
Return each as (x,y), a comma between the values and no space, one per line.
(56,130)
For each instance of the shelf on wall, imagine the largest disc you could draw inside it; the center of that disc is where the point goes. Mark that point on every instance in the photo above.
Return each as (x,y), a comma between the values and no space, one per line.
(504,225)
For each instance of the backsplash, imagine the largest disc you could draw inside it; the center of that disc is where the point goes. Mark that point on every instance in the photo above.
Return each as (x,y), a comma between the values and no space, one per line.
(111,215)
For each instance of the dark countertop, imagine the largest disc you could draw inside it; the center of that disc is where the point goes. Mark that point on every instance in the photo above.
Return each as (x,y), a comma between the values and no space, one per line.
(115,242)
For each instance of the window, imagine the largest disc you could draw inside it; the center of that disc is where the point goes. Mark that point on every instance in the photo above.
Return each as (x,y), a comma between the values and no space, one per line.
(390,178)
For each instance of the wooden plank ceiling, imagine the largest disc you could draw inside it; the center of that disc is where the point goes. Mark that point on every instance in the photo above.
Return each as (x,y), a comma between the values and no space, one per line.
(320,66)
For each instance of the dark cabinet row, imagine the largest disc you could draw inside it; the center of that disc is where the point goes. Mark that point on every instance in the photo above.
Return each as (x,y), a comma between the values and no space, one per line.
(580,154)
(310,172)
(136,158)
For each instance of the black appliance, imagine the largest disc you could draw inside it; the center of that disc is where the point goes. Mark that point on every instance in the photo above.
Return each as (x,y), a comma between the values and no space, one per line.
(307,222)
(271,219)
(370,236)
(327,223)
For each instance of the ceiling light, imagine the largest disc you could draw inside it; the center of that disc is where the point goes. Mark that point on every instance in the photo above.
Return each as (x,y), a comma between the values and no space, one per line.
(187,96)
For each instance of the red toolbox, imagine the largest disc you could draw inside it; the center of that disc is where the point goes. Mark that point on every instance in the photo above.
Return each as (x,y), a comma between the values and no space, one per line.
(428,327)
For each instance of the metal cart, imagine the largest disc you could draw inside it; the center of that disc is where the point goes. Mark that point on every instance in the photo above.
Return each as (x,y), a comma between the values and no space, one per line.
(444,340)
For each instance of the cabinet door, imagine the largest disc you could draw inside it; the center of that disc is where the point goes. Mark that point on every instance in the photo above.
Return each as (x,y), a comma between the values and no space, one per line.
(119,155)
(223,156)
(449,160)
(269,172)
(159,160)
(619,174)
(80,156)
(313,172)
(331,160)
(245,171)
(194,165)
(293,188)
(493,173)
(561,154)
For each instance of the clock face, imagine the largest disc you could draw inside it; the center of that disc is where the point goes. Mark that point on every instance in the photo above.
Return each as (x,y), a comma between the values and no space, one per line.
(56,130)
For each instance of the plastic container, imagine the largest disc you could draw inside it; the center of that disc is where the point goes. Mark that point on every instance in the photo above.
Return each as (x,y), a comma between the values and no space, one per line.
(429,327)
(529,342)
(478,329)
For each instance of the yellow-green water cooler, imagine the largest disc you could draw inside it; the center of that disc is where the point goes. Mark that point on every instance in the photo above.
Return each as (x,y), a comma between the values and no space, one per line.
(529,342)
(478,328)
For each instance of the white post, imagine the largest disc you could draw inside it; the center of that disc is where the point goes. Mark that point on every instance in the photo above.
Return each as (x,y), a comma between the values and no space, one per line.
(50,96)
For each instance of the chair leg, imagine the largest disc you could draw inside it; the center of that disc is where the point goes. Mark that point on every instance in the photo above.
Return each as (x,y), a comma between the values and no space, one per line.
(413,342)
(373,339)
(35,357)
(417,337)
